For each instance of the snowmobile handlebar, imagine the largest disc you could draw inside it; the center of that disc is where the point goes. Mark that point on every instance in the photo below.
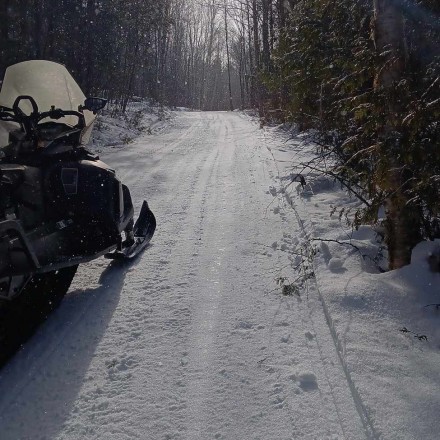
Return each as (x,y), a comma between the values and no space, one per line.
(16,114)
(5,116)
(57,113)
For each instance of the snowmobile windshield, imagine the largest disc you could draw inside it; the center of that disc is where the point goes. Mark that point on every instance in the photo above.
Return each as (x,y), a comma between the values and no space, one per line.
(50,84)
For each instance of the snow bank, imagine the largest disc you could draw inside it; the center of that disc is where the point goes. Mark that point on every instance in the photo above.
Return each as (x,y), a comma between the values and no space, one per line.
(114,129)
(386,326)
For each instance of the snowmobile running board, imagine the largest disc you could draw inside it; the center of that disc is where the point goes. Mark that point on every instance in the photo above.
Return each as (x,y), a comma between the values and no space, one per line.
(143,232)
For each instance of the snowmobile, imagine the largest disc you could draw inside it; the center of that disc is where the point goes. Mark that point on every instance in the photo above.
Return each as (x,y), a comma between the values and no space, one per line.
(59,204)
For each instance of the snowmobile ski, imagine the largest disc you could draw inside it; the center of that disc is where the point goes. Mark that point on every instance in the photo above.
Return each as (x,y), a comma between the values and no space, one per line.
(143,232)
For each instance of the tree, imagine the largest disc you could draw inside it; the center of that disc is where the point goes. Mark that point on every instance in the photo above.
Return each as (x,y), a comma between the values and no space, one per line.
(374,107)
(402,220)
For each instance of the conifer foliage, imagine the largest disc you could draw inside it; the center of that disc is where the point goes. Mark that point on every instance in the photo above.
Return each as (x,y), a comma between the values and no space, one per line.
(366,76)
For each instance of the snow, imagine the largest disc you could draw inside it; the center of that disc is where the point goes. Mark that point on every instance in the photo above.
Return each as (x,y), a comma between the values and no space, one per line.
(116,130)
(393,372)
(253,315)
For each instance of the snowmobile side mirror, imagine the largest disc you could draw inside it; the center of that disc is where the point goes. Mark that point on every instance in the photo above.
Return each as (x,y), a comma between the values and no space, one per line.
(94,104)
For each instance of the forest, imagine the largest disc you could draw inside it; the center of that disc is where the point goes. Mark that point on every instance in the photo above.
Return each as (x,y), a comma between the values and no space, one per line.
(362,76)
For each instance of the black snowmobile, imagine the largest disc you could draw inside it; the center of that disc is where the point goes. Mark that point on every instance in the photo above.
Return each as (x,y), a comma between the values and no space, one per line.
(59,204)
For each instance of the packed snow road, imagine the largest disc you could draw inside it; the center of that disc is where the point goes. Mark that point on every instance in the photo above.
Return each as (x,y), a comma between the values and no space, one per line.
(194,339)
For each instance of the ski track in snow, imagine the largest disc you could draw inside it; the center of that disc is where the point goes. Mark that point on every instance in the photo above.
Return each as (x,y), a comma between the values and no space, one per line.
(307,235)
(193,340)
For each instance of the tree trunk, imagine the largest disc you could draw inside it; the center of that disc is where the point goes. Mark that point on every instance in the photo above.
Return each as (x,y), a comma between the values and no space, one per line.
(252,69)
(281,9)
(129,86)
(265,35)
(402,222)
(231,106)
(256,37)
(257,57)
(4,20)
(4,35)
(389,41)
(37,30)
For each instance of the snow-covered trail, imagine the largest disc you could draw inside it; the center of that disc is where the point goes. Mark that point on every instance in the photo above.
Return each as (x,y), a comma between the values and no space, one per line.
(193,340)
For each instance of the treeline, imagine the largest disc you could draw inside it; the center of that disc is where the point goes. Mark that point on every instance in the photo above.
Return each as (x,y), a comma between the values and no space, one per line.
(365,76)
(170,50)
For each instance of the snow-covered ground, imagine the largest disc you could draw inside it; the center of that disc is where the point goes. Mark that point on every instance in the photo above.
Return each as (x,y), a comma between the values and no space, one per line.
(385,326)
(114,129)
(246,318)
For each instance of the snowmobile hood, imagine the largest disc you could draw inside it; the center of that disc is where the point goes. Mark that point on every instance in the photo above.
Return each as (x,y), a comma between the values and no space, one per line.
(50,84)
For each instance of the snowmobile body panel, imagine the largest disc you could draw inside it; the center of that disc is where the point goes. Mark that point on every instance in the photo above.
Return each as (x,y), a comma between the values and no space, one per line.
(69,212)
